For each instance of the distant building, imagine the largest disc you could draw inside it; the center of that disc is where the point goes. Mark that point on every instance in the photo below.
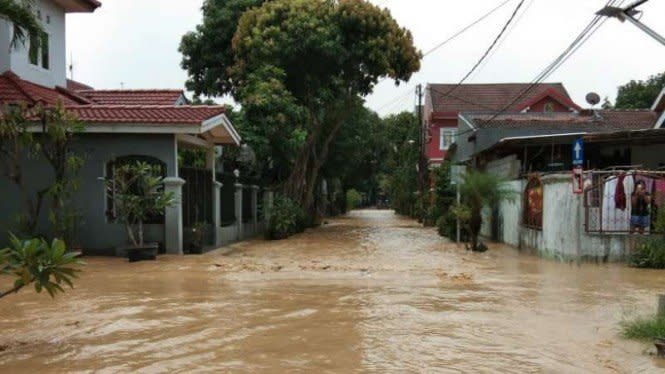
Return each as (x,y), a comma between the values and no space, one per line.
(445,102)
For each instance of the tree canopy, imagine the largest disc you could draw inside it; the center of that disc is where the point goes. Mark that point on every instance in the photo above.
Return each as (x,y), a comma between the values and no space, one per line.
(298,68)
(26,25)
(640,94)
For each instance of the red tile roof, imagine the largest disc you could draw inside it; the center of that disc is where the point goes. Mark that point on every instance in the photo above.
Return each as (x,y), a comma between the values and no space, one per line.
(132,97)
(603,120)
(135,114)
(484,97)
(73,85)
(79,5)
(14,90)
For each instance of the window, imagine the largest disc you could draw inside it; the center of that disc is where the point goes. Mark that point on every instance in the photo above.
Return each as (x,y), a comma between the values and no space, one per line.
(38,52)
(533,204)
(446,138)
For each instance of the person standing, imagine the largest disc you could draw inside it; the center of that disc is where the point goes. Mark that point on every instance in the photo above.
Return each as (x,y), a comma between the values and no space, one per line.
(640,219)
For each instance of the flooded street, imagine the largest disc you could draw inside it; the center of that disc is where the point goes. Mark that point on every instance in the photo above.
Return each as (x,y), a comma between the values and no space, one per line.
(370,292)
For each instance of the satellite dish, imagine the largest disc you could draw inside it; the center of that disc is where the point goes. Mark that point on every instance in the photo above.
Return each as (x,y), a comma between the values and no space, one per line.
(593,98)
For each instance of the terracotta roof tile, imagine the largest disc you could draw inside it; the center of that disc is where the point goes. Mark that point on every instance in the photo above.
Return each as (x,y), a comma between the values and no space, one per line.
(133,97)
(142,114)
(603,120)
(484,97)
(77,86)
(15,90)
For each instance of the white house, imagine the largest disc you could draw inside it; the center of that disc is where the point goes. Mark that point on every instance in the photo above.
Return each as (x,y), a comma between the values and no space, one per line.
(120,125)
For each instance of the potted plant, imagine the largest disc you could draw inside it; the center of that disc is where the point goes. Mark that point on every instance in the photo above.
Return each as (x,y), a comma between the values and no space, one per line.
(198,235)
(138,194)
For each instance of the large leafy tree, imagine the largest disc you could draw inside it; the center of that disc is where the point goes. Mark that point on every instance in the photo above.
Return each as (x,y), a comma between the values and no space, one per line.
(26,25)
(640,94)
(298,67)
(401,136)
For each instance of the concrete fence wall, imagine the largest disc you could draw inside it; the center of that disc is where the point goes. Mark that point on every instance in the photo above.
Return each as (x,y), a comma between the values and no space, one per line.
(563,235)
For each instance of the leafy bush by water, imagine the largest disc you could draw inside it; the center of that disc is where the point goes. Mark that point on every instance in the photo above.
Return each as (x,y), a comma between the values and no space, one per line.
(353,199)
(650,254)
(286,219)
(644,328)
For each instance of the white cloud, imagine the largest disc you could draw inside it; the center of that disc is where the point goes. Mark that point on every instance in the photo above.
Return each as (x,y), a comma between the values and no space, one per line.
(136,42)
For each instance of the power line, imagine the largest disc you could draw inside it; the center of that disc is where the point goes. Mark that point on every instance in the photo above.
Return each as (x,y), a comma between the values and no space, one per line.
(580,40)
(462,31)
(448,40)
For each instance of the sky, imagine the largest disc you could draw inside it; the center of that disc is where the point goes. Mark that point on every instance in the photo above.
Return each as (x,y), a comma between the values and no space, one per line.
(134,44)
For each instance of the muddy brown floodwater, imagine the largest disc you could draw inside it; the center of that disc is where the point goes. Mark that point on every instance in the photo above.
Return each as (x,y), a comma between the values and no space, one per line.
(370,292)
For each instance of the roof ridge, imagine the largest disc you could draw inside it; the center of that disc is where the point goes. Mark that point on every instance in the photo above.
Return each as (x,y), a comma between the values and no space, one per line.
(139,106)
(133,90)
(495,84)
(15,81)
(71,94)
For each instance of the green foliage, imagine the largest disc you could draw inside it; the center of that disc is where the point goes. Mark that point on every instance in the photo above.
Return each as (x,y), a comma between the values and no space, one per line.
(480,189)
(138,194)
(56,147)
(650,253)
(353,199)
(199,232)
(46,265)
(400,183)
(26,24)
(299,69)
(640,94)
(192,158)
(286,219)
(644,328)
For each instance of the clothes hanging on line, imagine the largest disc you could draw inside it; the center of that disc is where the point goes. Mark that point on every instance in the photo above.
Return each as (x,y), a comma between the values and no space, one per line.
(613,217)
(659,193)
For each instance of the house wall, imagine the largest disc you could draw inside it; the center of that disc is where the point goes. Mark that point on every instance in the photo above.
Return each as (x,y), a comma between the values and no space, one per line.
(432,149)
(96,234)
(19,63)
(563,236)
(649,156)
(5,38)
(540,106)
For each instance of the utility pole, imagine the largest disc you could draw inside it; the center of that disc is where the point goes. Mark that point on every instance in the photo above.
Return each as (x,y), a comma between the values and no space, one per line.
(629,14)
(421,145)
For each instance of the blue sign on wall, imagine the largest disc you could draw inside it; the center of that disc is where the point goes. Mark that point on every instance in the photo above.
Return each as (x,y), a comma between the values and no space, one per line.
(578,152)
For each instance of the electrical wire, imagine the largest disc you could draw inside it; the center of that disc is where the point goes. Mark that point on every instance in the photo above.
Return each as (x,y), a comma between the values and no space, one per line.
(577,43)
(448,40)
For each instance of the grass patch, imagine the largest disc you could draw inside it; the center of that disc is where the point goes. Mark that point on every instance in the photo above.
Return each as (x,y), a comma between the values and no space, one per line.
(644,328)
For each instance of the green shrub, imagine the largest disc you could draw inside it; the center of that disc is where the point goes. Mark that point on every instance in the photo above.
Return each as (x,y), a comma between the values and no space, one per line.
(353,199)
(644,328)
(286,219)
(650,254)
(46,265)
(447,227)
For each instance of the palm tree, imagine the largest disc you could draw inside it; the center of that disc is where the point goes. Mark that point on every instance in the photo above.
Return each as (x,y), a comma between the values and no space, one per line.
(478,190)
(26,24)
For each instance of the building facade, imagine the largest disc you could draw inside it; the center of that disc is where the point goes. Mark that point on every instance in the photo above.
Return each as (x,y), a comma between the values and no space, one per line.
(445,102)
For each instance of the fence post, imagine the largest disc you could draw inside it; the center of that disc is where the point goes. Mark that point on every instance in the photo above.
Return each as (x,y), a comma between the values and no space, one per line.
(268,200)
(217,212)
(255,209)
(661,306)
(238,206)
(173,217)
